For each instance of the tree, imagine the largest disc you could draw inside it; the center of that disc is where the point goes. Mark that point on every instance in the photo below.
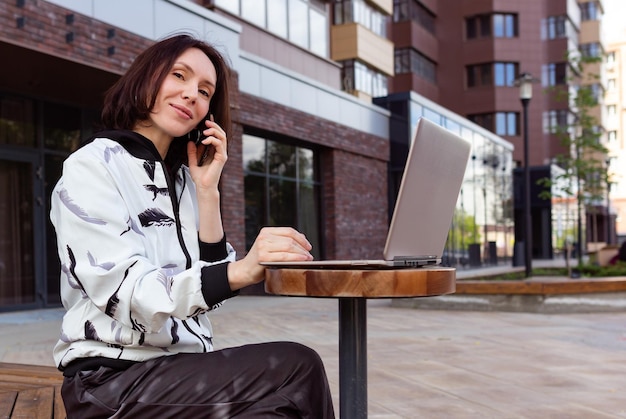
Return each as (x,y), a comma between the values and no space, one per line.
(583,162)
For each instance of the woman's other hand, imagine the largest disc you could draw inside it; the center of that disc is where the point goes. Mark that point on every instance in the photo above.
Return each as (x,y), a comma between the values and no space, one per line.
(273,244)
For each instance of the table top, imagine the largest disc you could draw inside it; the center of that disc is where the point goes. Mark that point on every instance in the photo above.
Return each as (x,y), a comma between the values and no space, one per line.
(384,283)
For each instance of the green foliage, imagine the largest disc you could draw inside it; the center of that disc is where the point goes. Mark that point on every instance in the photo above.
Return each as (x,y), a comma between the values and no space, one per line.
(595,271)
(586,270)
(464,231)
(584,160)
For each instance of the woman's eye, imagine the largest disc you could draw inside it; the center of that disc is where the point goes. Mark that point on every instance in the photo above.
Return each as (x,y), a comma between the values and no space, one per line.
(204,93)
(179,75)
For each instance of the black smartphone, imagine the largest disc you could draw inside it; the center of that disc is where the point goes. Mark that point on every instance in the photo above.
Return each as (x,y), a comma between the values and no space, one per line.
(208,151)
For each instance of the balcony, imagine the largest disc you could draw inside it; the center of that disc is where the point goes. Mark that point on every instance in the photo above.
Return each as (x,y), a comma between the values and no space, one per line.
(352,41)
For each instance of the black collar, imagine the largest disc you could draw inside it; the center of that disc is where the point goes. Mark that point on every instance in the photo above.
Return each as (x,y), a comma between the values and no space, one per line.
(142,148)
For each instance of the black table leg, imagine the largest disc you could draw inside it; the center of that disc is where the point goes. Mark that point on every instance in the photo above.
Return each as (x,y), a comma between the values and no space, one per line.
(352,358)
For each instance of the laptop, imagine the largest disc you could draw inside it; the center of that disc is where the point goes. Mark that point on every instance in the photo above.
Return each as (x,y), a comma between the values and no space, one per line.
(424,208)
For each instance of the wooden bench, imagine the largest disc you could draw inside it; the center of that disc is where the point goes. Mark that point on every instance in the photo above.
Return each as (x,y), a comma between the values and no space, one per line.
(545,286)
(30,391)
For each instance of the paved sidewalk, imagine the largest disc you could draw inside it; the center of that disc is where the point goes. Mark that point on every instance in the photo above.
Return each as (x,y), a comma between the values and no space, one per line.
(426,364)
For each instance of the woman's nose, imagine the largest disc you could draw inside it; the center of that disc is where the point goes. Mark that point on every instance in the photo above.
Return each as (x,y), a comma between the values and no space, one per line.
(190,92)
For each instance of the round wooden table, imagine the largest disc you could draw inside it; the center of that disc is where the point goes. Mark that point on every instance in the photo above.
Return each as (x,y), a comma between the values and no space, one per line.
(353,288)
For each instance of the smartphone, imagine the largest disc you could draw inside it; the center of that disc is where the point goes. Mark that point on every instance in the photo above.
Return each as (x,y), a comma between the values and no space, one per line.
(208,151)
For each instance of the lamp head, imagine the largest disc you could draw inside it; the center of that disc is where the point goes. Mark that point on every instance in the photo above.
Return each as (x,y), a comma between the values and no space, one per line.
(525,83)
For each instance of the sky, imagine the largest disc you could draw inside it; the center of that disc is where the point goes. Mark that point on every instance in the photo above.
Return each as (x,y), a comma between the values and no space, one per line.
(614,20)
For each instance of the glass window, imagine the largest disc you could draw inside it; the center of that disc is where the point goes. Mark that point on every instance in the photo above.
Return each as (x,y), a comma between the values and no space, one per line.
(505,73)
(228,5)
(298,23)
(357,76)
(53,168)
(408,60)
(593,49)
(471,30)
(484,120)
(471,77)
(61,127)
(501,123)
(358,11)
(401,10)
(277,17)
(305,164)
(555,121)
(303,22)
(610,57)
(280,188)
(556,27)
(485,25)
(255,196)
(611,84)
(611,110)
(282,198)
(319,33)
(589,11)
(453,126)
(612,136)
(415,11)
(17,121)
(416,112)
(17,270)
(498,25)
(507,123)
(281,159)
(596,91)
(432,116)
(554,74)
(253,11)
(512,127)
(510,26)
(485,74)
(254,154)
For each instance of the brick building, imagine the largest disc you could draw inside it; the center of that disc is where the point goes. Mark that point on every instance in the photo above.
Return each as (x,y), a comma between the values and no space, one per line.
(309,148)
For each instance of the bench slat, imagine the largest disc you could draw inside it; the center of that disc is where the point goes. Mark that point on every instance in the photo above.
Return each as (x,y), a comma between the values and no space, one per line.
(40,371)
(39,381)
(7,401)
(34,403)
(30,391)
(59,407)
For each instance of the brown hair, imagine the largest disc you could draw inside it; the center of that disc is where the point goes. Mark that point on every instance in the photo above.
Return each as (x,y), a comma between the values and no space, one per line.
(132,97)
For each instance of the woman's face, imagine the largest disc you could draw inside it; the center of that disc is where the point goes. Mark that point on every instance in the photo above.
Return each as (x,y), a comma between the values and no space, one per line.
(183,98)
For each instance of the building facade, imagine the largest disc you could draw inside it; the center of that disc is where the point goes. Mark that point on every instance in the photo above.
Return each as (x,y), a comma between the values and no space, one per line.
(315,144)
(467,55)
(616,130)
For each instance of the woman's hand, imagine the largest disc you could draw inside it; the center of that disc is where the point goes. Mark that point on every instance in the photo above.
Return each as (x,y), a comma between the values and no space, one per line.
(273,244)
(206,161)
(206,177)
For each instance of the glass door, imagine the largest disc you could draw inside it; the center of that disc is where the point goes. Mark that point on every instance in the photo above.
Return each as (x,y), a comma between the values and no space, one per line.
(20,215)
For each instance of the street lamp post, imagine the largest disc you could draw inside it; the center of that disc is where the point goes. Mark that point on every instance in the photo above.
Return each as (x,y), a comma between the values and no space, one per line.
(524,82)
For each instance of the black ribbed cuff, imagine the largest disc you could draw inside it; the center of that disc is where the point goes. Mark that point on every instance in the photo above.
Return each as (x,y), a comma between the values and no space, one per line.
(215,286)
(212,252)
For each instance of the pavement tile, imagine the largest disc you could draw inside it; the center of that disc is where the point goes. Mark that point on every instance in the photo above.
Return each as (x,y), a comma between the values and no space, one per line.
(422,363)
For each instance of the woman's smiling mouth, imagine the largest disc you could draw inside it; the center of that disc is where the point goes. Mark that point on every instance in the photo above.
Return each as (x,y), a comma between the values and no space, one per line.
(183,110)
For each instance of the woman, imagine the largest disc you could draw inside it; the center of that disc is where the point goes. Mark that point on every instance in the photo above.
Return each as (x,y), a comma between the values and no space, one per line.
(144,258)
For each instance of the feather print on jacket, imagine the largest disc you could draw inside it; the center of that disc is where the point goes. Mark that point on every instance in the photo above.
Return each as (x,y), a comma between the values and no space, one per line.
(133,270)
(76,210)
(154,216)
(149,167)
(157,191)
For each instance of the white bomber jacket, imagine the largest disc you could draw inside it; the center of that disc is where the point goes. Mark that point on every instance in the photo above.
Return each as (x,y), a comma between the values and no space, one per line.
(136,281)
